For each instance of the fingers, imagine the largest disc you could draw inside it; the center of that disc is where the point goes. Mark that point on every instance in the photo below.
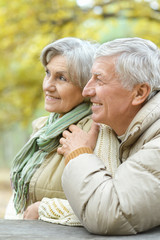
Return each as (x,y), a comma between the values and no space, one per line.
(62,140)
(73,128)
(60,150)
(63,150)
(76,137)
(32,211)
(65,133)
(25,214)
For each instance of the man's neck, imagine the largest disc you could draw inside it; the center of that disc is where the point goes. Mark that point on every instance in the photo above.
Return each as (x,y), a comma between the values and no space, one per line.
(123,124)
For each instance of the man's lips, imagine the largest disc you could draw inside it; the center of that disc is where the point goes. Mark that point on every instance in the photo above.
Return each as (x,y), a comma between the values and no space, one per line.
(96,104)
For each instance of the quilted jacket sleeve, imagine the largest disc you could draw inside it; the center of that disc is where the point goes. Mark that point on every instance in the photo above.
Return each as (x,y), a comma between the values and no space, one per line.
(125,204)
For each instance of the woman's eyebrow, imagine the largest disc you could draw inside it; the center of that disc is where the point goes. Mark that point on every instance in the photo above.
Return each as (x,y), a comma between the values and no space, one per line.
(62,72)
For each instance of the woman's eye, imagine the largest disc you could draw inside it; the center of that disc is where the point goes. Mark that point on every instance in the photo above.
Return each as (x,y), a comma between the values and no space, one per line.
(62,78)
(47,72)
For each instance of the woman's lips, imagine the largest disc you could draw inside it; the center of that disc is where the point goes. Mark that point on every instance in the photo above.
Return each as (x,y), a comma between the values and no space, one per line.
(51,98)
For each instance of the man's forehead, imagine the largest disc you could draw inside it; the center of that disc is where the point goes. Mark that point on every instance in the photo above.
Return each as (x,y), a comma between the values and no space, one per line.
(105,59)
(100,66)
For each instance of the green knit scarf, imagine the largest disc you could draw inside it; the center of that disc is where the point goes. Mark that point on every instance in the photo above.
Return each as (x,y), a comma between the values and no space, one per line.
(32,155)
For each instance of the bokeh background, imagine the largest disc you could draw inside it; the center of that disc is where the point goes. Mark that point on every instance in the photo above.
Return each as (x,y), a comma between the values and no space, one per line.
(26,26)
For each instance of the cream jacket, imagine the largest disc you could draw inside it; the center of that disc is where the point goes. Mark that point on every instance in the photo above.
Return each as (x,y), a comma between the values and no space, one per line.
(57,210)
(129,201)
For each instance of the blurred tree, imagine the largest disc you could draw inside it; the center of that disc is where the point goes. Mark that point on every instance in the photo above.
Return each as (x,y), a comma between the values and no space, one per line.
(26,26)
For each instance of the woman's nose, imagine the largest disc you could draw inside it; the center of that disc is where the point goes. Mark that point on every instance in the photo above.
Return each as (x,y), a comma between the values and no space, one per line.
(49,85)
(89,89)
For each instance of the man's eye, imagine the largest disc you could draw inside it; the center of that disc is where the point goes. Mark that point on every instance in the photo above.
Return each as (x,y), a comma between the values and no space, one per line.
(98,80)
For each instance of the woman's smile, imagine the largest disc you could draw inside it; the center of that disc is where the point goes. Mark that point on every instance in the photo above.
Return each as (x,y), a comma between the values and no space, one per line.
(51,98)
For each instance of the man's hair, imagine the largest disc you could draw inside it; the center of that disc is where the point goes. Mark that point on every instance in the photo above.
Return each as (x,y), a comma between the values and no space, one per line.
(138,61)
(79,55)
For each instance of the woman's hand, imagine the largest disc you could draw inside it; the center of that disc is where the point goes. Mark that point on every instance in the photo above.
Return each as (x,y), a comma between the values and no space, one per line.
(76,138)
(32,211)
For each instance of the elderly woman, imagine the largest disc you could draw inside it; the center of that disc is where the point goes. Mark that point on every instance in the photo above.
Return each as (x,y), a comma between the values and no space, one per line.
(37,168)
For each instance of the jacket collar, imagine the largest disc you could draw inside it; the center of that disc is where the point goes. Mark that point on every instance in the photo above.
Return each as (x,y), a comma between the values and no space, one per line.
(147,115)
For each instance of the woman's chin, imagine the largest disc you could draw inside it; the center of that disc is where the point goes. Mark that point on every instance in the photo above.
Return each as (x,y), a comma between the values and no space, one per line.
(50,109)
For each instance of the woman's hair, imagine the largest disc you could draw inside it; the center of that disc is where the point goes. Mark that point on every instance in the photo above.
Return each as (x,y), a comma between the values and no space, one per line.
(137,61)
(79,55)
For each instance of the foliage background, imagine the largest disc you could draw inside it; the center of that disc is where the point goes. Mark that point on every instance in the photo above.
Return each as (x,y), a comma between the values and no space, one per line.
(26,26)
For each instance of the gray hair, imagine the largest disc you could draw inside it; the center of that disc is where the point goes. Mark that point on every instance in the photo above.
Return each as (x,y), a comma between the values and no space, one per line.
(138,61)
(79,54)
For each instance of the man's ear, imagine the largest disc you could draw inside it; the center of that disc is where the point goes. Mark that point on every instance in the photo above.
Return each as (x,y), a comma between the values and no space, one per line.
(140,93)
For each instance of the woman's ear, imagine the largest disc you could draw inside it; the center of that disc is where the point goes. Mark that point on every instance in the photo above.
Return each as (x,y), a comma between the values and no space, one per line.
(141,92)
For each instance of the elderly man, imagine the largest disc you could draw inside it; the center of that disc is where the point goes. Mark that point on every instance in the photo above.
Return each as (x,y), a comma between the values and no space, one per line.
(124,91)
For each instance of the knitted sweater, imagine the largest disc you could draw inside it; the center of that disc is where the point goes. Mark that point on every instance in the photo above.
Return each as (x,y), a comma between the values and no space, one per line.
(59,211)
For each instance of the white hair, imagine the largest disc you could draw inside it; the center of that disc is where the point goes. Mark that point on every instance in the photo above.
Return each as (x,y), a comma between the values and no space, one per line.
(138,61)
(79,54)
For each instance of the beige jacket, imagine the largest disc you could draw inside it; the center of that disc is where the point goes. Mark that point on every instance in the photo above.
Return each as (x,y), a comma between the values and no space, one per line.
(46,181)
(128,202)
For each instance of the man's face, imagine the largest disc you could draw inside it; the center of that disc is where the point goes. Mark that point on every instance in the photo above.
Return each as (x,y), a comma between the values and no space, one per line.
(111,102)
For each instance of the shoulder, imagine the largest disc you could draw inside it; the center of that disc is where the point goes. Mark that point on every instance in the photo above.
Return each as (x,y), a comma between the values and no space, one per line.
(85,123)
(39,123)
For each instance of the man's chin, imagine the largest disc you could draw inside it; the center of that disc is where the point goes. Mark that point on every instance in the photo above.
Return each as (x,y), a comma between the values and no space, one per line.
(94,118)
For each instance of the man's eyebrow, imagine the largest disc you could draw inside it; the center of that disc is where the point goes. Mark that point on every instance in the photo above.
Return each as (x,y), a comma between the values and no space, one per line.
(96,73)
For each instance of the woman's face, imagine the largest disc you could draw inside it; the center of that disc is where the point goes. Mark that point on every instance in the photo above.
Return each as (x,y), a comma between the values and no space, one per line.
(60,94)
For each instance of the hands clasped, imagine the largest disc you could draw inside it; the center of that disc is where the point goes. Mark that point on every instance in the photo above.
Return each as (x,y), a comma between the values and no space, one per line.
(76,138)
(32,211)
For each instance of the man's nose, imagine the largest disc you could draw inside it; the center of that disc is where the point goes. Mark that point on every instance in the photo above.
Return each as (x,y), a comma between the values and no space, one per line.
(89,89)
